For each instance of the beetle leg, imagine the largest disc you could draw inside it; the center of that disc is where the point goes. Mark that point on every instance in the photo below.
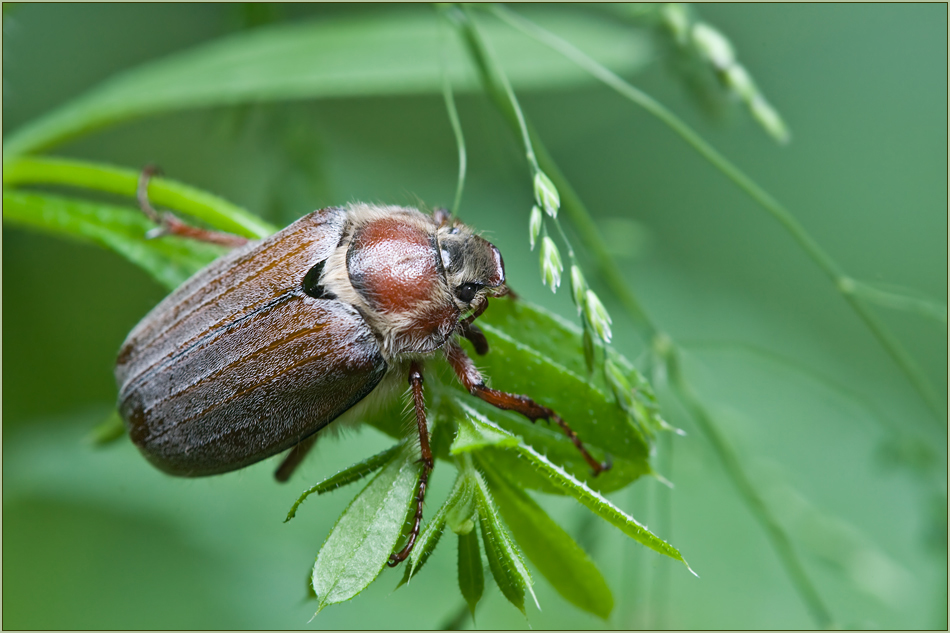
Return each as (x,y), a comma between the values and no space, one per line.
(294,458)
(168,224)
(474,333)
(472,380)
(415,383)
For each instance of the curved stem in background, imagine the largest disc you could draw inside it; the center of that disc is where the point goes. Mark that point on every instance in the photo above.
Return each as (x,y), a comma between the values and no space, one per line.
(824,261)
(196,203)
(661,343)
(457,131)
(730,462)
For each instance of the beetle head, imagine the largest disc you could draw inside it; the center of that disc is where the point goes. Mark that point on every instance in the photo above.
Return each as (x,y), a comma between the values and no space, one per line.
(473,266)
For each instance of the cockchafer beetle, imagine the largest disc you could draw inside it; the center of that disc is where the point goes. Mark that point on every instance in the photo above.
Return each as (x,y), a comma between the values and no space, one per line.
(276,339)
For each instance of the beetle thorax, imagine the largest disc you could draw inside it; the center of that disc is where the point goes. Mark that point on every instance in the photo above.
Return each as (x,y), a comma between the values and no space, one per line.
(388,267)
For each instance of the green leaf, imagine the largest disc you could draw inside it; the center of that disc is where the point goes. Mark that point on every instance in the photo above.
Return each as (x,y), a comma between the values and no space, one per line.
(432,532)
(347,476)
(537,354)
(366,533)
(170,260)
(552,550)
(504,559)
(471,574)
(194,202)
(525,341)
(398,52)
(425,545)
(469,439)
(561,479)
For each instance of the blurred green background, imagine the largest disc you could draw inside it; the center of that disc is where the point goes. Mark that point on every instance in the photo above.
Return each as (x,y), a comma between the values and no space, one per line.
(846,455)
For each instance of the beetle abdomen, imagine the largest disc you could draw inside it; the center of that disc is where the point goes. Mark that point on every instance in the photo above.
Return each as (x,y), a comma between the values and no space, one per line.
(252,389)
(239,363)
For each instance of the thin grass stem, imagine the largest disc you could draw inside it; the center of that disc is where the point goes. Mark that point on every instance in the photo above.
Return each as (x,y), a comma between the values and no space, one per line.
(818,255)
(730,461)
(449,98)
(588,230)
(927,308)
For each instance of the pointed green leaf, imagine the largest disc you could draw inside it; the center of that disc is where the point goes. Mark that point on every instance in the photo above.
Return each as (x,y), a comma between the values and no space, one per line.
(170,260)
(366,533)
(470,438)
(369,53)
(430,535)
(560,478)
(546,438)
(425,545)
(347,476)
(470,572)
(552,550)
(504,559)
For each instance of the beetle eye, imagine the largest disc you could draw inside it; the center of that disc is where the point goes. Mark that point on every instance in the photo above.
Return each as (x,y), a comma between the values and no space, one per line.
(467,292)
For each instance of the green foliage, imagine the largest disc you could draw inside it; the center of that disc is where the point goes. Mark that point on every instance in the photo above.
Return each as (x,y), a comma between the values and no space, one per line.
(352,556)
(370,57)
(394,52)
(471,573)
(366,533)
(348,476)
(552,550)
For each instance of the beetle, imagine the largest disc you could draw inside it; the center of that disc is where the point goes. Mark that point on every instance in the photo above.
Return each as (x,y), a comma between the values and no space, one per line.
(279,337)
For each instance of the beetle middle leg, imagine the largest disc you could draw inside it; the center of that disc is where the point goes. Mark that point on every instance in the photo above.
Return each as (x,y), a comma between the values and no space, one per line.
(472,380)
(415,384)
(168,224)
(294,458)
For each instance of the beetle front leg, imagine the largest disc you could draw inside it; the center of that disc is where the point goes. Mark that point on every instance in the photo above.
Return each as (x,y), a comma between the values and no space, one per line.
(472,380)
(415,384)
(474,333)
(168,224)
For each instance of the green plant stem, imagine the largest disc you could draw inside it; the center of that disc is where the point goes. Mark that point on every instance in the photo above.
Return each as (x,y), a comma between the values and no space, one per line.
(457,131)
(853,395)
(591,236)
(818,255)
(730,461)
(926,308)
(663,507)
(570,201)
(191,201)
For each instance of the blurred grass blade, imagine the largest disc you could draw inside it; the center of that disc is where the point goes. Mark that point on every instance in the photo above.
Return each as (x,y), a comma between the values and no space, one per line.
(806,242)
(347,476)
(470,572)
(895,300)
(366,533)
(170,260)
(396,52)
(162,192)
(552,550)
(504,559)
(562,480)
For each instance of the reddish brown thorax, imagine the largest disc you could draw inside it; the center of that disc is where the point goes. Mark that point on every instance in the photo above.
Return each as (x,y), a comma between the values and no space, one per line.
(391,265)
